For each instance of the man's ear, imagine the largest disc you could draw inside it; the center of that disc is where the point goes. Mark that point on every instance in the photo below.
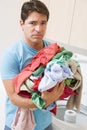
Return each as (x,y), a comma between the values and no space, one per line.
(21,24)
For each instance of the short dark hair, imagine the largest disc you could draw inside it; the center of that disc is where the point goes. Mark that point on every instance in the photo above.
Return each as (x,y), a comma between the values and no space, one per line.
(31,6)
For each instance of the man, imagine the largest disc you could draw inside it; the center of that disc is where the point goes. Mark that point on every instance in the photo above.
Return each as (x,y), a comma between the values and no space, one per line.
(34,18)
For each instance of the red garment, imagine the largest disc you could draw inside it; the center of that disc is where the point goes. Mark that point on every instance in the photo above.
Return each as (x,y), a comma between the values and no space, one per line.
(67,92)
(41,58)
(25,93)
(54,110)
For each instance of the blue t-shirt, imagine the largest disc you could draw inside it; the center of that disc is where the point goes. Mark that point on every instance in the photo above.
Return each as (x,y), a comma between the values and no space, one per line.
(15,58)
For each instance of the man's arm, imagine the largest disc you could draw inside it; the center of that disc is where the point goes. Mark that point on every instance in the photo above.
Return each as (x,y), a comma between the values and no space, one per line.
(23,102)
(15,98)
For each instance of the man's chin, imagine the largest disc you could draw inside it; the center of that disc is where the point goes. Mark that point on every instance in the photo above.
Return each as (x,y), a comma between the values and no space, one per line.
(37,40)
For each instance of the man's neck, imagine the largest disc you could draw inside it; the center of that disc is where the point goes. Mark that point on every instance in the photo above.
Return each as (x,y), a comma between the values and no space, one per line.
(38,45)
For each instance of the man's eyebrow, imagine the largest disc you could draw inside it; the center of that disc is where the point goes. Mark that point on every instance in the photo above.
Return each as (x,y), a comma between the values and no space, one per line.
(37,21)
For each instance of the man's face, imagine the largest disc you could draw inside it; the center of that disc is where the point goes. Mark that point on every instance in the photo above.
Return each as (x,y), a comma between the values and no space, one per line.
(34,27)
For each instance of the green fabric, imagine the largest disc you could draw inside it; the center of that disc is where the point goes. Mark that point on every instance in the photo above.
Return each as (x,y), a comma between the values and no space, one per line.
(38,101)
(66,54)
(61,58)
(36,98)
(38,71)
(70,82)
(60,61)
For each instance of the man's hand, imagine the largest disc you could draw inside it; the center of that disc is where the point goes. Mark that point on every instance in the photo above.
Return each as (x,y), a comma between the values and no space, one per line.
(54,95)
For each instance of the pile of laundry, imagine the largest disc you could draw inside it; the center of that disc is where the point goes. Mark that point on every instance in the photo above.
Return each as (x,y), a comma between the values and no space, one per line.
(51,65)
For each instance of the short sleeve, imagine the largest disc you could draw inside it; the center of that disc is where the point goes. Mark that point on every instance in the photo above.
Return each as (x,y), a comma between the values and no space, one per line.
(9,66)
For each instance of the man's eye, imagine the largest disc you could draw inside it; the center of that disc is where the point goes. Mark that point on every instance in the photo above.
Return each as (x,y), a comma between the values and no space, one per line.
(33,23)
(44,23)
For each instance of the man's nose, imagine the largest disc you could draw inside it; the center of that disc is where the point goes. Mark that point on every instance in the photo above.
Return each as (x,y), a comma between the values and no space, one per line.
(38,28)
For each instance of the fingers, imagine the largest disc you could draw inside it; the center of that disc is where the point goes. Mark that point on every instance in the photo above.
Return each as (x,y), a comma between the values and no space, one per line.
(61,88)
(55,94)
(62,84)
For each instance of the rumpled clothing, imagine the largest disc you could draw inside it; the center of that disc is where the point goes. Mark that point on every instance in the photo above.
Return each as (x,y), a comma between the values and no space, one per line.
(56,70)
(49,67)
(53,75)
(24,120)
(64,53)
(75,100)
(67,92)
(40,59)
(34,95)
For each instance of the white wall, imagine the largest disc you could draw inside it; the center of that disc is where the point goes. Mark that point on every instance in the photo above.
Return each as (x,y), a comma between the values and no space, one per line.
(9,22)
(60,20)
(78,35)
(68,22)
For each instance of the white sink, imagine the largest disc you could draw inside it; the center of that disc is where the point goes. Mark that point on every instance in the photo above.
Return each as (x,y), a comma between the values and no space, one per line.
(53,127)
(60,124)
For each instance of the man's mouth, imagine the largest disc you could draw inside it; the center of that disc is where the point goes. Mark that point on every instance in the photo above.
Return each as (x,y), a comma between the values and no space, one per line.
(37,35)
